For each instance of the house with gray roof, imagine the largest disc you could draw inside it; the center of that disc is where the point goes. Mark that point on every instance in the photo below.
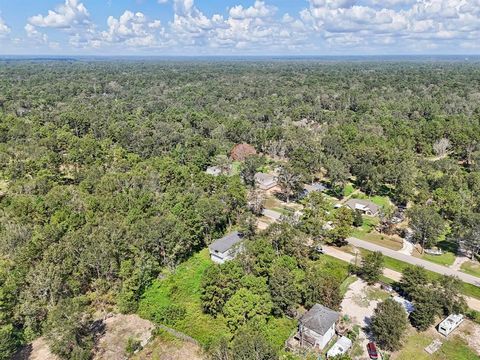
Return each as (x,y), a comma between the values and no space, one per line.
(365,206)
(317,327)
(265,181)
(226,248)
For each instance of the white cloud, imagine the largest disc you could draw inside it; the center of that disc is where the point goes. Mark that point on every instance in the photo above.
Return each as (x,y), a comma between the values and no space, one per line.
(132,29)
(258,10)
(33,33)
(65,16)
(4,29)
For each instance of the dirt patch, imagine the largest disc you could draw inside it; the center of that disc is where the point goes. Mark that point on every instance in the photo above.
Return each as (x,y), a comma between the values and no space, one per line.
(471,333)
(165,347)
(118,329)
(37,350)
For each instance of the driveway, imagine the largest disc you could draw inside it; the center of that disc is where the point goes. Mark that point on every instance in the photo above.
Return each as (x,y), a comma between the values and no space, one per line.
(439,269)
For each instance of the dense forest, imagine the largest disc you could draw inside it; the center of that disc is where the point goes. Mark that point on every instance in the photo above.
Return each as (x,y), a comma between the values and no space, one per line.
(102,168)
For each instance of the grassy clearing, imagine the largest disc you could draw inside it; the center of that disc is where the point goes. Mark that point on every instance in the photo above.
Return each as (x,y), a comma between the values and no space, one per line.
(278,330)
(182,288)
(373,294)
(348,190)
(471,267)
(453,348)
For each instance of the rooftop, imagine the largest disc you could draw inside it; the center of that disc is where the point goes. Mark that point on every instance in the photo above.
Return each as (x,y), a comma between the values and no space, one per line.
(319,319)
(227,242)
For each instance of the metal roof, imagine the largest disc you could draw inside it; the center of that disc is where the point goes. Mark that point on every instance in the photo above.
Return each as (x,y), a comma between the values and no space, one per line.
(226,243)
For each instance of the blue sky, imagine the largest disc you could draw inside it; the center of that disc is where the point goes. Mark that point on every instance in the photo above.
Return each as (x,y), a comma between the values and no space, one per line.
(239,27)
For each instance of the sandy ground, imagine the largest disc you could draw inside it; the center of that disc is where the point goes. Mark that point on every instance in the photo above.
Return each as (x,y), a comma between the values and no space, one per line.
(118,329)
(471,333)
(37,350)
(407,248)
(457,264)
(161,349)
(359,309)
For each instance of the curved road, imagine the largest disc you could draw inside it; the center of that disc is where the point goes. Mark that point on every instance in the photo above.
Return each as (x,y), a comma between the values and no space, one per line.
(439,269)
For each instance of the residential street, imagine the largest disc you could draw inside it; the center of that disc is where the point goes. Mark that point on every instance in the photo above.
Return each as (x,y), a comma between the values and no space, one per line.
(415,261)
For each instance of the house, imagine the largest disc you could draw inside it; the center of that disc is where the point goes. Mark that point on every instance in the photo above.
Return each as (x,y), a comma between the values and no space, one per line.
(317,326)
(241,151)
(340,347)
(315,187)
(407,305)
(214,170)
(265,181)
(365,206)
(226,248)
(450,323)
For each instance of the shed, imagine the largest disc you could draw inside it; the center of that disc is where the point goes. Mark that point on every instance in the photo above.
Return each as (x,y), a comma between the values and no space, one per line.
(226,248)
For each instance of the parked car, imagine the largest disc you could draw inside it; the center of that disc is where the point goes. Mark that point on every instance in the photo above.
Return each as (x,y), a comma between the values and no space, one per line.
(372,350)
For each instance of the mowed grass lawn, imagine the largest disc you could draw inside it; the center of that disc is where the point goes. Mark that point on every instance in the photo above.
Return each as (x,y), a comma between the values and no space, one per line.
(471,267)
(367,232)
(182,288)
(453,348)
(446,259)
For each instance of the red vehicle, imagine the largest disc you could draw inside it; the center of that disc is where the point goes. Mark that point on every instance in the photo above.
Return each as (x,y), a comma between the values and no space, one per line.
(372,350)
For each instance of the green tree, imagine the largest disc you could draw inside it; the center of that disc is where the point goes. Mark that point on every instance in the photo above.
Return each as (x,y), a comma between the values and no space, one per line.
(250,344)
(284,291)
(68,330)
(427,225)
(427,308)
(342,226)
(414,280)
(449,295)
(244,306)
(322,288)
(388,324)
(219,283)
(371,267)
(357,219)
(8,341)
(289,181)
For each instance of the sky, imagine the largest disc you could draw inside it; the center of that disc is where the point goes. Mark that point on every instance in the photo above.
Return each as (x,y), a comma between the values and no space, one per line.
(239,27)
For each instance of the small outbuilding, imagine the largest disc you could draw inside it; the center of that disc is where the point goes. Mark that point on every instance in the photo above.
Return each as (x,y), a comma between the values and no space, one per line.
(265,181)
(241,151)
(317,326)
(450,323)
(340,347)
(365,206)
(226,248)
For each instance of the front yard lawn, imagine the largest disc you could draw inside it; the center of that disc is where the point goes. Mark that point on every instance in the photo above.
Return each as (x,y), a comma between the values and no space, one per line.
(471,267)
(379,239)
(446,259)
(453,348)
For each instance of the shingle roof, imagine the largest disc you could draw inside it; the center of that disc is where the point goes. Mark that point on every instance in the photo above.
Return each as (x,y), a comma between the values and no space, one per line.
(356,203)
(227,242)
(264,178)
(319,319)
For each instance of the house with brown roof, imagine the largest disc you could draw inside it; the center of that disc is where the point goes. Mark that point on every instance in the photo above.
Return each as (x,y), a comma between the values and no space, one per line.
(241,151)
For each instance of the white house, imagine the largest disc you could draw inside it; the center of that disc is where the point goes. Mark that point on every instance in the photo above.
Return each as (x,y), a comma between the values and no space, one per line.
(317,326)
(226,248)
(265,181)
(340,347)
(450,324)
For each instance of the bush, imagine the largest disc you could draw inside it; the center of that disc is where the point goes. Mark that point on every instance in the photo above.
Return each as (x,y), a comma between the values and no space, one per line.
(133,345)
(170,314)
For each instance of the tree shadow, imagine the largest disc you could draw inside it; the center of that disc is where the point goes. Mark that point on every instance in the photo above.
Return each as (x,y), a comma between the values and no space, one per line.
(24,353)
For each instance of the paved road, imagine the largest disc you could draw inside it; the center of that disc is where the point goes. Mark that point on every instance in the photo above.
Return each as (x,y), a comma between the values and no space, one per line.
(415,261)
(389,273)
(272,214)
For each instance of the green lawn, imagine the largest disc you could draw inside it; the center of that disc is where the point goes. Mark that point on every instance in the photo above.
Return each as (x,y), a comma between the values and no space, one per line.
(471,267)
(348,190)
(453,348)
(182,288)
(346,284)
(379,239)
(446,259)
